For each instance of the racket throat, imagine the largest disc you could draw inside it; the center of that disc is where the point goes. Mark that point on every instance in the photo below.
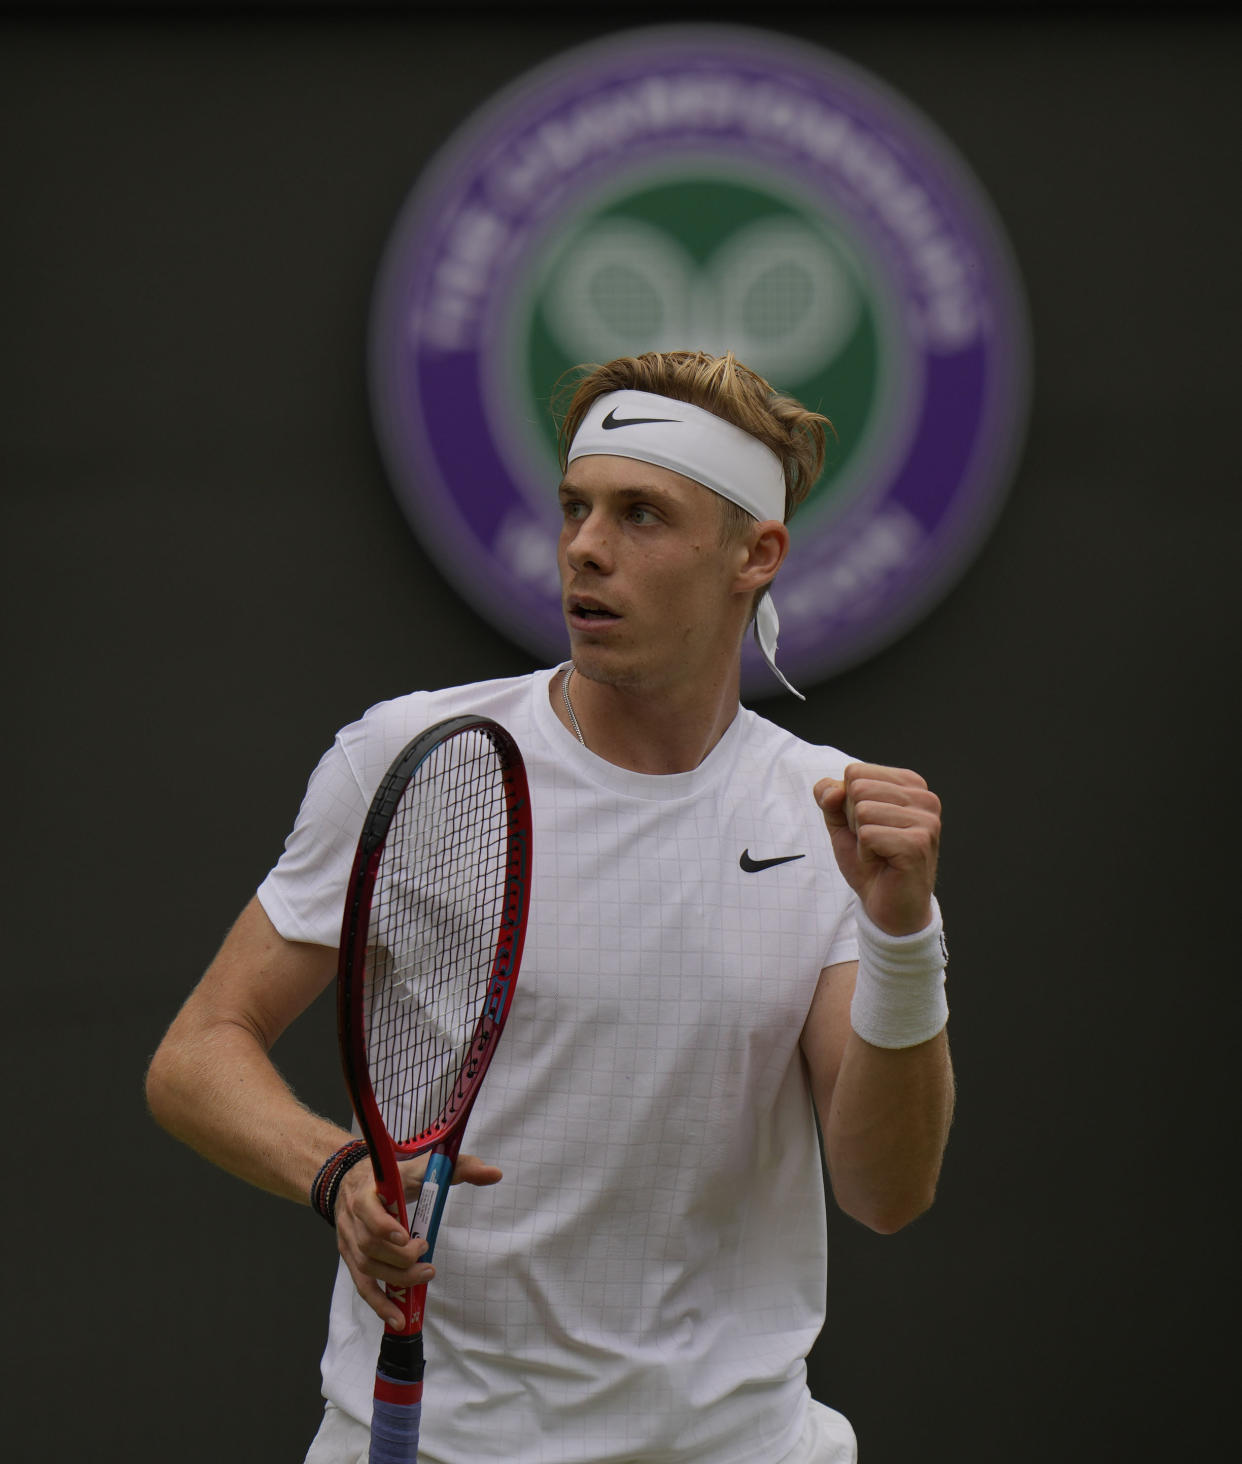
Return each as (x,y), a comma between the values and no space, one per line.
(430,1207)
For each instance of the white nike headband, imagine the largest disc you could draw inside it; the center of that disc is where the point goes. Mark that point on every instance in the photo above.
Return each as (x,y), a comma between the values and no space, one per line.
(698,444)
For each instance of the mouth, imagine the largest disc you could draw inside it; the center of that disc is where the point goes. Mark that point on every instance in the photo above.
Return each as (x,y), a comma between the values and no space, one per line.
(585,613)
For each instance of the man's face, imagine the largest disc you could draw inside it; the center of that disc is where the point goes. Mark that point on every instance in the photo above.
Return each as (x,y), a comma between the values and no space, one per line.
(649,590)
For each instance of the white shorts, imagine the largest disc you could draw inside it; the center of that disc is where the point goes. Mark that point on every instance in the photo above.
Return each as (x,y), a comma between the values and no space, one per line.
(827,1438)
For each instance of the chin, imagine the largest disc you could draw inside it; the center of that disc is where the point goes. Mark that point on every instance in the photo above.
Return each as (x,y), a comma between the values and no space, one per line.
(595,663)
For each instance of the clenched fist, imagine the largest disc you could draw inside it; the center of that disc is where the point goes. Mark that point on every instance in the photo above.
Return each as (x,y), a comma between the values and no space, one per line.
(885,829)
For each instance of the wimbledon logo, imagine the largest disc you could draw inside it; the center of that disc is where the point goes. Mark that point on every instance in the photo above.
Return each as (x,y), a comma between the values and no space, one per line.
(706,187)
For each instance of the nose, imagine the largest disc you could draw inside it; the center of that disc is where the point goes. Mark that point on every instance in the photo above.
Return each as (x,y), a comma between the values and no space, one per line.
(587,544)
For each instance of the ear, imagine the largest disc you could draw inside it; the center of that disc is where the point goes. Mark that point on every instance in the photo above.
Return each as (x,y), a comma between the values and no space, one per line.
(762,554)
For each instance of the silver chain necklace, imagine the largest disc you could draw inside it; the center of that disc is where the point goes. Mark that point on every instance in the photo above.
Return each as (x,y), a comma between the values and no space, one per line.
(569,706)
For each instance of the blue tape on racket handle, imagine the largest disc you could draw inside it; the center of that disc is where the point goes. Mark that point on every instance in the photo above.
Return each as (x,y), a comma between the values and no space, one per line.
(394,1432)
(398,1405)
(430,1206)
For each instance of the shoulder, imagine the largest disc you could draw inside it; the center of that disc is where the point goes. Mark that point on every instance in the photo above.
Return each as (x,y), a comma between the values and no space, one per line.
(370,744)
(764,745)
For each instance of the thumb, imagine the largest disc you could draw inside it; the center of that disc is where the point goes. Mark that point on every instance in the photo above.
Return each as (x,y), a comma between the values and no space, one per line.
(470,1169)
(831,797)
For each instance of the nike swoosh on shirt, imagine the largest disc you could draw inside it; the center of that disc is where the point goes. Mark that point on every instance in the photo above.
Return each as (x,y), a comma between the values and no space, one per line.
(612,421)
(752,866)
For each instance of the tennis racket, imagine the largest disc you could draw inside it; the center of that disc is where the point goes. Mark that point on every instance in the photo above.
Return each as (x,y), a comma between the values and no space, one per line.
(430,946)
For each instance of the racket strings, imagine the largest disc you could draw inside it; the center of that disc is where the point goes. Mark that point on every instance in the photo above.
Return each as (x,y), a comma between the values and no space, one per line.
(435,919)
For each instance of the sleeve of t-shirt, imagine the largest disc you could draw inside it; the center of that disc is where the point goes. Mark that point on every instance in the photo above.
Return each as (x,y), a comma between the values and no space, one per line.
(304,894)
(844,944)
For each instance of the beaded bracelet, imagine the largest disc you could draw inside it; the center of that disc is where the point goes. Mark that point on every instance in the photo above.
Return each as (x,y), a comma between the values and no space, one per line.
(327,1182)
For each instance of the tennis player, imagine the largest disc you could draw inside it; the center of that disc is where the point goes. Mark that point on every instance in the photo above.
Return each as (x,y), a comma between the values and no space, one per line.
(731,930)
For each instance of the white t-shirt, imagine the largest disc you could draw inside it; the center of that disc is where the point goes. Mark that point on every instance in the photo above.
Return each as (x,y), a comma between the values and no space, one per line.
(648,1278)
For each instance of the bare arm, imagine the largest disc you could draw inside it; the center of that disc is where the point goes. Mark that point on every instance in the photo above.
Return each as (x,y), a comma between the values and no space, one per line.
(212,1084)
(885,1112)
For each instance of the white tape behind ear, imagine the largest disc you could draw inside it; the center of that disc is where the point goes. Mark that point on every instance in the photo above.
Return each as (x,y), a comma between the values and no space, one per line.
(767,628)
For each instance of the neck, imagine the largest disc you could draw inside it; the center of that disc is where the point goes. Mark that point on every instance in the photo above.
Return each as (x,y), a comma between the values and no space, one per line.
(646,731)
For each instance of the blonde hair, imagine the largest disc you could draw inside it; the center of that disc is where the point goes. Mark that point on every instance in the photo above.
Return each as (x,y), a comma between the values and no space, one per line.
(719,384)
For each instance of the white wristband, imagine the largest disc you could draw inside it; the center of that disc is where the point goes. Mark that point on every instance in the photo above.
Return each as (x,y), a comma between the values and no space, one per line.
(899,998)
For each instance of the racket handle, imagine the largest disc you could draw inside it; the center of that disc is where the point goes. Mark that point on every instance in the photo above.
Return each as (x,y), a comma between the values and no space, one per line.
(398,1406)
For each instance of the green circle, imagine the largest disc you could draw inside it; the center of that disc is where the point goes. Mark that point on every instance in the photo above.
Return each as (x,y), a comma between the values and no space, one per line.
(701,215)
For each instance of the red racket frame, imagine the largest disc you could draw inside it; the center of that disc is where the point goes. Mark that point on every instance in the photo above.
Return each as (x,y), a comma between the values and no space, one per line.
(444,1134)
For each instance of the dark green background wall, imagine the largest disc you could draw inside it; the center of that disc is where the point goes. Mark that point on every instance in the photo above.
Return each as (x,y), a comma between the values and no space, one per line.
(206,573)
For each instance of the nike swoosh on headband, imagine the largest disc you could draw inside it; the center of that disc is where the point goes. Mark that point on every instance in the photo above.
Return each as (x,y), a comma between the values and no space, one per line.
(612,421)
